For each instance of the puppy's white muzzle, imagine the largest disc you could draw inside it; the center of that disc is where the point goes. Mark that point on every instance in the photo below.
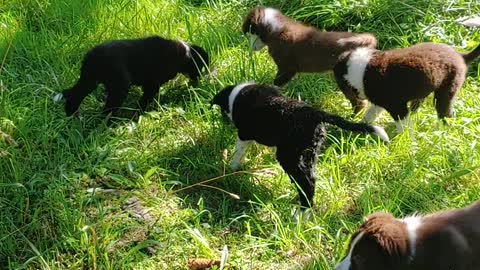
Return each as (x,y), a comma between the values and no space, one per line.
(256,43)
(344,265)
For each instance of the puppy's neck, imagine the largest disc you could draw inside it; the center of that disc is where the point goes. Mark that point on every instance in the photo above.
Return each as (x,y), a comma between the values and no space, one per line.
(188,52)
(273,19)
(412,224)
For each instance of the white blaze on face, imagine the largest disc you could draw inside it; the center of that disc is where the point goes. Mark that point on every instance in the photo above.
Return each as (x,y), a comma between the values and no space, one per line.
(270,18)
(233,95)
(346,263)
(356,65)
(187,49)
(255,42)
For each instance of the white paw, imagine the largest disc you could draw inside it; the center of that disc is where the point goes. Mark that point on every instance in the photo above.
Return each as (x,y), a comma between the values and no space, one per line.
(235,165)
(302,215)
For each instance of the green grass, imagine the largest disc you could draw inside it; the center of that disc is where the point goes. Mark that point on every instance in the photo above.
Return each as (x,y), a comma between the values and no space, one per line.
(49,220)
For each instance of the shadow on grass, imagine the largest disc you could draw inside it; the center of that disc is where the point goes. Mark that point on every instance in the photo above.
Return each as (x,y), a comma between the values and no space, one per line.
(34,220)
(206,160)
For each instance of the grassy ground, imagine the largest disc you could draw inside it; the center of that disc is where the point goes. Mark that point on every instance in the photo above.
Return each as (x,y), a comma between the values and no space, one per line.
(51,218)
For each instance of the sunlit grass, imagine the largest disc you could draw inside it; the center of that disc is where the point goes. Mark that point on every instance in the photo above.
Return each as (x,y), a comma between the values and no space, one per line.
(51,217)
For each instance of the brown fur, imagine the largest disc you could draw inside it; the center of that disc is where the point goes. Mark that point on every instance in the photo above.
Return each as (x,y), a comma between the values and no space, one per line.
(300,48)
(445,240)
(395,77)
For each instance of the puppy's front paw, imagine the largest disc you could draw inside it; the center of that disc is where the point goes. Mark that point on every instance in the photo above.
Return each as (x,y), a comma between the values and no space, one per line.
(234,165)
(302,215)
(57,97)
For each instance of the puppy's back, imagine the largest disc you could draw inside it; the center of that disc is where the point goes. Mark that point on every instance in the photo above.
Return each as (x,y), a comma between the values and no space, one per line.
(149,47)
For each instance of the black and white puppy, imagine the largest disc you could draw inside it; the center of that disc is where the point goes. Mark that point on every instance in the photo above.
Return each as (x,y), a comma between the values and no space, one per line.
(390,79)
(296,129)
(441,241)
(147,62)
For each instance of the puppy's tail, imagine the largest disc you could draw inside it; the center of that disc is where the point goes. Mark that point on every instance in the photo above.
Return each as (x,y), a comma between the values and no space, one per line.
(352,126)
(57,97)
(360,40)
(471,56)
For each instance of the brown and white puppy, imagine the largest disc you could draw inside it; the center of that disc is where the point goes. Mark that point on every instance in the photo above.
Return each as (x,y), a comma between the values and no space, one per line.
(390,79)
(296,47)
(441,241)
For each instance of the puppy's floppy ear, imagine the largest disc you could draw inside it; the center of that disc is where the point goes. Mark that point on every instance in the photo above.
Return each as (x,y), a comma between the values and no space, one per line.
(221,98)
(389,235)
(213,101)
(251,20)
(217,99)
(200,57)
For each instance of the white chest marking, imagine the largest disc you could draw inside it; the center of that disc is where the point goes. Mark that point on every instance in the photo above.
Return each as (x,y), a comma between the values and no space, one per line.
(233,95)
(187,49)
(356,65)
(413,223)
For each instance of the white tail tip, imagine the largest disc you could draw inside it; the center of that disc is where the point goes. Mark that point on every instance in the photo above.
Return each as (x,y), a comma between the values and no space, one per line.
(381,133)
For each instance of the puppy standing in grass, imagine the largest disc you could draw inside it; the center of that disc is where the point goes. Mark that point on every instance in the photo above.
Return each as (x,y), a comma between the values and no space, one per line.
(147,62)
(296,47)
(447,240)
(262,114)
(391,79)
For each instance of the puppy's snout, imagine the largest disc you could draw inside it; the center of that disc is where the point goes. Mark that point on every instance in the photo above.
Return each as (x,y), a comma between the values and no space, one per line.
(256,43)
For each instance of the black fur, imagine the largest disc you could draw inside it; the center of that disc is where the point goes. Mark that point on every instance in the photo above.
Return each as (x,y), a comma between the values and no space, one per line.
(296,129)
(147,62)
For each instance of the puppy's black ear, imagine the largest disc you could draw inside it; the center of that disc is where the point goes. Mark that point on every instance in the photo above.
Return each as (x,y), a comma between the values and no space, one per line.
(251,20)
(200,57)
(221,98)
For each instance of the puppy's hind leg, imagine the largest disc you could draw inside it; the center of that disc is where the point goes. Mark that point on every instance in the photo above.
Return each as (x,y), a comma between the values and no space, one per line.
(445,95)
(300,167)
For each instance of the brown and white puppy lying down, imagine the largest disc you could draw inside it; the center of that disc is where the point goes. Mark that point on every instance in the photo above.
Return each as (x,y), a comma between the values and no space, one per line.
(390,79)
(448,240)
(296,47)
